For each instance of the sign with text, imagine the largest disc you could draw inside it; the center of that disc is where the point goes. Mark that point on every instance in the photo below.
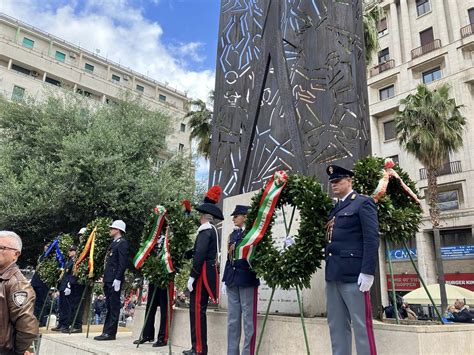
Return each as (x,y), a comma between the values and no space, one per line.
(410,282)
(453,252)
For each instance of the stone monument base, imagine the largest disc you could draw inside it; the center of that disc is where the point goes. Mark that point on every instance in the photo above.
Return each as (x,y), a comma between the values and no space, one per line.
(283,335)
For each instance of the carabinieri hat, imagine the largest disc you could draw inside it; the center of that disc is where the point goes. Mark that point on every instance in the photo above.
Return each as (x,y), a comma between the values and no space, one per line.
(240,210)
(338,172)
(209,206)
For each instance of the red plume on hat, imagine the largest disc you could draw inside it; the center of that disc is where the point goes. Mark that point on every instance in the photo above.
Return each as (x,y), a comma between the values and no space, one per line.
(187,206)
(213,194)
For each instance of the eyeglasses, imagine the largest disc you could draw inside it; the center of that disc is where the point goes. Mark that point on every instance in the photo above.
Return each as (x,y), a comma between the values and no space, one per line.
(2,248)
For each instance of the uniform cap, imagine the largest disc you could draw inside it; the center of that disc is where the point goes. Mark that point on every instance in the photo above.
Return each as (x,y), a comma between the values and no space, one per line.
(118,224)
(338,172)
(240,210)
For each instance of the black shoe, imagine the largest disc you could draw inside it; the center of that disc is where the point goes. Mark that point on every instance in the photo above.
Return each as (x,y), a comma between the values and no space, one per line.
(142,341)
(59,329)
(189,352)
(159,343)
(105,337)
(72,331)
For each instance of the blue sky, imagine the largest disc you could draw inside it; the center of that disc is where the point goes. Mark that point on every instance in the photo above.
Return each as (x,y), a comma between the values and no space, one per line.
(173,41)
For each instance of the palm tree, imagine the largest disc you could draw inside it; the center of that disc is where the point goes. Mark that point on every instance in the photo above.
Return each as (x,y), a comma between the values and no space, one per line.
(430,126)
(371,18)
(200,124)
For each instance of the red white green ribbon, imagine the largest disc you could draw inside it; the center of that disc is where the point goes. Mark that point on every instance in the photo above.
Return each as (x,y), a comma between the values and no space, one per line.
(166,255)
(383,182)
(159,214)
(265,212)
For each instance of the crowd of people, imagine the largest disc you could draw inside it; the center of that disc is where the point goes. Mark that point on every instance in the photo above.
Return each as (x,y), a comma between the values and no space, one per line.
(351,256)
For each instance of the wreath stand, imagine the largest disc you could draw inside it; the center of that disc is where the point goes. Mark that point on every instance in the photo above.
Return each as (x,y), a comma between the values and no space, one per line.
(300,305)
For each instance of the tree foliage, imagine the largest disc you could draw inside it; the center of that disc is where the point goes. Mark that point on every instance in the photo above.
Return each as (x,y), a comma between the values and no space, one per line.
(65,162)
(372,15)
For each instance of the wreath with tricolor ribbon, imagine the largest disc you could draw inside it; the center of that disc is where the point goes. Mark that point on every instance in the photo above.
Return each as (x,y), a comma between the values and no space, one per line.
(171,228)
(295,265)
(399,209)
(93,246)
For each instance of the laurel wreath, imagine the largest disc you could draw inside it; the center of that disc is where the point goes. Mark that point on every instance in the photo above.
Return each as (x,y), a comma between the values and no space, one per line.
(399,215)
(294,266)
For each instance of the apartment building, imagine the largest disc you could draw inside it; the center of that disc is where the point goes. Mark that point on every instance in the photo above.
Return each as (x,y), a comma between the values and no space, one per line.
(33,62)
(431,42)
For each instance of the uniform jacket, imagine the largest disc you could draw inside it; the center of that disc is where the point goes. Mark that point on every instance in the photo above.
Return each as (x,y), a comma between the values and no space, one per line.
(205,259)
(353,245)
(18,325)
(68,276)
(238,272)
(36,281)
(116,260)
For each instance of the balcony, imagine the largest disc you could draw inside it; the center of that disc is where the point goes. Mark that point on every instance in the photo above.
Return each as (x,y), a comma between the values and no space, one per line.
(389,64)
(430,47)
(451,167)
(468,30)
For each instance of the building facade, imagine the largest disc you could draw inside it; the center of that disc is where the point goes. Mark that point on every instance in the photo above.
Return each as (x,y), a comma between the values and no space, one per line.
(431,42)
(32,62)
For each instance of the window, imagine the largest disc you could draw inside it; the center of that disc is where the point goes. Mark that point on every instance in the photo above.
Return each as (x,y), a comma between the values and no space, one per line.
(456,237)
(28,43)
(389,130)
(395,159)
(60,56)
(84,93)
(448,200)
(18,93)
(89,67)
(21,69)
(140,88)
(180,147)
(53,81)
(115,78)
(382,27)
(432,75)
(426,36)
(387,92)
(470,12)
(183,127)
(422,7)
(162,98)
(384,55)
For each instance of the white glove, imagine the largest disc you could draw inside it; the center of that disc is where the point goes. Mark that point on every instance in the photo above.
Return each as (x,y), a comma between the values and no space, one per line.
(116,285)
(67,291)
(190,284)
(365,282)
(224,289)
(289,241)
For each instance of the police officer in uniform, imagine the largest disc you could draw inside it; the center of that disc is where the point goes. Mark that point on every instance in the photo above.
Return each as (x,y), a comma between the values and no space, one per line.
(240,284)
(116,261)
(18,325)
(352,241)
(203,282)
(41,291)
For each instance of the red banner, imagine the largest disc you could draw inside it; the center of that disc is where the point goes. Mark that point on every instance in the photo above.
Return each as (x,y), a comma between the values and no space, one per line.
(409,282)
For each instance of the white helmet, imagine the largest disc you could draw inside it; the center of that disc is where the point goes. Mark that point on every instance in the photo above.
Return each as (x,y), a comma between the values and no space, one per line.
(118,224)
(82,231)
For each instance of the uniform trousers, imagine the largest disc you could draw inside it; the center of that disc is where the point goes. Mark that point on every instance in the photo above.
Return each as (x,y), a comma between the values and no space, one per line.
(199,299)
(112,304)
(160,299)
(242,303)
(346,305)
(41,298)
(64,310)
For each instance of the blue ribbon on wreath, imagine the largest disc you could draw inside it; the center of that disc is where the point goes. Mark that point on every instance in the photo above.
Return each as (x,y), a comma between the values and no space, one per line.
(59,257)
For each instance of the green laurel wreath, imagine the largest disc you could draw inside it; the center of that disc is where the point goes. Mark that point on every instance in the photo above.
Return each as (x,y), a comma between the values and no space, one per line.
(181,229)
(295,265)
(48,269)
(399,216)
(102,242)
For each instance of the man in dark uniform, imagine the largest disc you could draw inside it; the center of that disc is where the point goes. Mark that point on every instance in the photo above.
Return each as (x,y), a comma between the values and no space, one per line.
(240,284)
(351,258)
(41,291)
(116,262)
(204,279)
(160,299)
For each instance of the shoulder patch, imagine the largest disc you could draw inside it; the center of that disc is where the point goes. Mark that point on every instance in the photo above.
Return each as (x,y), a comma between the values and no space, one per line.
(20,298)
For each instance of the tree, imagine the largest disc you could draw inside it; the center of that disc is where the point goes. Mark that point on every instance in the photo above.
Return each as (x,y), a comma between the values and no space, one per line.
(65,161)
(200,123)
(371,18)
(430,126)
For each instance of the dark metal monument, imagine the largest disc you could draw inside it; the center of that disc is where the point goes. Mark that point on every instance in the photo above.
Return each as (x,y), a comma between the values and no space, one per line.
(290,90)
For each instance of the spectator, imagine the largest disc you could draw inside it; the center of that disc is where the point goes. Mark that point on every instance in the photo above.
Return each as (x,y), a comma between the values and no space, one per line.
(462,313)
(99,308)
(450,310)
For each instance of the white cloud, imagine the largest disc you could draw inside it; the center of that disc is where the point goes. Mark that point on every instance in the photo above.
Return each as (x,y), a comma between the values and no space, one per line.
(123,34)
